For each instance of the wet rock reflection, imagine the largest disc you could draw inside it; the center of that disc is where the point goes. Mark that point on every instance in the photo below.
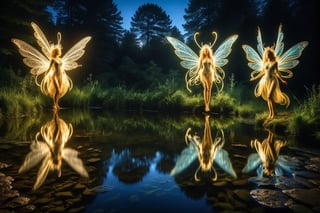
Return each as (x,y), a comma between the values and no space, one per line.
(208,150)
(283,182)
(49,147)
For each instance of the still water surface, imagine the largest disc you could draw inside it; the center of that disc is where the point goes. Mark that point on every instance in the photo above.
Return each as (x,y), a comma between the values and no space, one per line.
(98,161)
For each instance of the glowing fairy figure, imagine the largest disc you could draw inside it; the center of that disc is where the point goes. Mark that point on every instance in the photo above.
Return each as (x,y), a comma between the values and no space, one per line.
(49,147)
(55,82)
(270,65)
(205,68)
(209,151)
(268,161)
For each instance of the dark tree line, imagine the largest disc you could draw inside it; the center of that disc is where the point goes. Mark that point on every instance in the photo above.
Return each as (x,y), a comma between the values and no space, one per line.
(140,58)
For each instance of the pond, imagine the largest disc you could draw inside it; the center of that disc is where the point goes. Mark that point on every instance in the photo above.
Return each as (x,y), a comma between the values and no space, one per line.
(100,161)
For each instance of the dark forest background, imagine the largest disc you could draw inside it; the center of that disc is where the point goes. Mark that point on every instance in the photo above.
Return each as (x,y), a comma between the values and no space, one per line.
(141,58)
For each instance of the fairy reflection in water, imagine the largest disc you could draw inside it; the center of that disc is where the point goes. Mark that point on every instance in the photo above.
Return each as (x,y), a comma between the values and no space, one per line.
(208,151)
(268,161)
(49,147)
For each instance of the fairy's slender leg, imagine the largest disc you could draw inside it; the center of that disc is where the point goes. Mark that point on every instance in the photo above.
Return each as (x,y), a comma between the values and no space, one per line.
(57,84)
(207,85)
(207,95)
(270,101)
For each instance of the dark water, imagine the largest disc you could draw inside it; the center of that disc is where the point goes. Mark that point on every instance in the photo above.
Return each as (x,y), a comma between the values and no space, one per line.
(98,161)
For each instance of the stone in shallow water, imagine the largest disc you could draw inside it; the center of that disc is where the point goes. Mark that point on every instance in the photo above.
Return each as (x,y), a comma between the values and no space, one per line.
(4,165)
(94,160)
(269,198)
(8,195)
(64,194)
(314,166)
(285,183)
(306,196)
(261,181)
(17,202)
(243,194)
(296,207)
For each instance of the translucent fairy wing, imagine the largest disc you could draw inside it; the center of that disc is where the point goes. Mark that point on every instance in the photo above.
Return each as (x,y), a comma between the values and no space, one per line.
(289,59)
(46,166)
(70,58)
(189,60)
(287,164)
(224,162)
(33,58)
(38,151)
(260,43)
(41,40)
(252,163)
(223,51)
(255,61)
(260,170)
(71,157)
(188,56)
(279,45)
(187,156)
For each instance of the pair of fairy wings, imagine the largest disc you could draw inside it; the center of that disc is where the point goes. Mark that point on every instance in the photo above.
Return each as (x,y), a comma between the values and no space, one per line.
(283,165)
(38,62)
(190,153)
(41,151)
(190,59)
(286,60)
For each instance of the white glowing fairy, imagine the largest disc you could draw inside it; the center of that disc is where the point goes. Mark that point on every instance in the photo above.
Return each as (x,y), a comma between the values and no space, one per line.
(209,151)
(55,82)
(205,68)
(270,64)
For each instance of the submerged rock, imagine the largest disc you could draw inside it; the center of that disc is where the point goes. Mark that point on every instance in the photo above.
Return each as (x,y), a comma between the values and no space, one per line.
(298,193)
(310,197)
(10,199)
(269,198)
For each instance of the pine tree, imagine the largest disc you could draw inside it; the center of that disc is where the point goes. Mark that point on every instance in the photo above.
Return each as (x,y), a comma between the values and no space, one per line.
(150,22)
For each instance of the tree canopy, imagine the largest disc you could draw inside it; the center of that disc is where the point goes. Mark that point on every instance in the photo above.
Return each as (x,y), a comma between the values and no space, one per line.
(150,22)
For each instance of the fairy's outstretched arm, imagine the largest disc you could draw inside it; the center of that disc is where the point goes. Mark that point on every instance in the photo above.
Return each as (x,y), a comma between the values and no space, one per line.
(261,73)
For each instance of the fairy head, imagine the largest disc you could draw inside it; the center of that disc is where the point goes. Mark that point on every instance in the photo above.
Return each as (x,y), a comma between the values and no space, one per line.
(269,54)
(56,48)
(206,55)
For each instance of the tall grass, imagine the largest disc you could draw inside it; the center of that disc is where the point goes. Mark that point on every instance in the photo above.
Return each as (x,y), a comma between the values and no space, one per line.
(14,102)
(167,97)
(306,117)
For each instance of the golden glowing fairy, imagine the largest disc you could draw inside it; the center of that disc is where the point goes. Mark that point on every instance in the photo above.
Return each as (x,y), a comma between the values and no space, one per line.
(49,147)
(209,151)
(270,65)
(268,161)
(205,68)
(55,82)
